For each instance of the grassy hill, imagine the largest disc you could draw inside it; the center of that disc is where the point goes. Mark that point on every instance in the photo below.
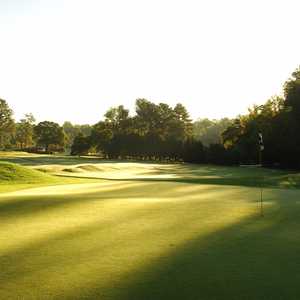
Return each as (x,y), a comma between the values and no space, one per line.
(17,177)
(13,173)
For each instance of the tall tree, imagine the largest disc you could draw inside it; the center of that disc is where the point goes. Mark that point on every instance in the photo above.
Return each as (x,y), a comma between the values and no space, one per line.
(7,124)
(49,134)
(183,118)
(71,132)
(101,136)
(241,136)
(24,131)
(289,123)
(292,94)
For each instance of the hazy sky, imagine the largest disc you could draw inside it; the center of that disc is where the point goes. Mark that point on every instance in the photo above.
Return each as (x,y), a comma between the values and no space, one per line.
(72,60)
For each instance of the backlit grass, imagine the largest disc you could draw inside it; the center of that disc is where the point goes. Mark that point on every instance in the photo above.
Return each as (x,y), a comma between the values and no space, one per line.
(150,231)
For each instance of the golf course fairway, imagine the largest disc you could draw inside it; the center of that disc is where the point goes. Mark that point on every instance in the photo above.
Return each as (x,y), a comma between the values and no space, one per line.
(93,229)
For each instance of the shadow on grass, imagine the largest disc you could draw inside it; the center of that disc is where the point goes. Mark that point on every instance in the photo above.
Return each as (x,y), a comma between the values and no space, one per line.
(14,206)
(254,258)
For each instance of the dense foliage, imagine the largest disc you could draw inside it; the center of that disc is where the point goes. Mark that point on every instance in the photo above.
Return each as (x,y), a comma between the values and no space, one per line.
(25,132)
(7,125)
(279,122)
(71,131)
(49,134)
(210,131)
(156,131)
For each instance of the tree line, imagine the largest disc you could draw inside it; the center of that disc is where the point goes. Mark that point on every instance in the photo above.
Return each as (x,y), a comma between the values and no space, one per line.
(161,132)
(44,137)
(279,122)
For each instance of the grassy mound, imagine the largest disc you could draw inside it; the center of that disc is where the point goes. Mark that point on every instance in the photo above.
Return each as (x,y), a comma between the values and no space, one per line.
(13,173)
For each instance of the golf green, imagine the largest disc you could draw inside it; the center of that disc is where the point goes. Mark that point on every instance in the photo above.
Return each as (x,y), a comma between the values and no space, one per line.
(97,229)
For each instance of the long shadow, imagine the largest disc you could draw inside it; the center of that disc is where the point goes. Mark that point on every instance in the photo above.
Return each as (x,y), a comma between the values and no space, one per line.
(60,250)
(53,254)
(71,234)
(12,207)
(256,258)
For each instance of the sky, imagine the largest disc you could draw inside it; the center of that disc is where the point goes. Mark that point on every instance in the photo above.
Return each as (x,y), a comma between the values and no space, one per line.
(71,60)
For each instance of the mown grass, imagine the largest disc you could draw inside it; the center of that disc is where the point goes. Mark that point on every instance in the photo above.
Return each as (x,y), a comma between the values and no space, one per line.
(151,231)
(93,167)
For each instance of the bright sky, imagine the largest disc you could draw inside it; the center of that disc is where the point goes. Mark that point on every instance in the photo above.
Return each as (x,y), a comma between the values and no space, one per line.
(74,59)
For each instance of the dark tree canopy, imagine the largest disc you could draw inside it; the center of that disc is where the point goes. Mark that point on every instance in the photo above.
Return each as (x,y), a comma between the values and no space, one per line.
(156,131)
(81,145)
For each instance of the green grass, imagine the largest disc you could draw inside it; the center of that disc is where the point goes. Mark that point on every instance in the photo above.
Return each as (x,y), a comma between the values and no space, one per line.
(15,177)
(149,231)
(14,173)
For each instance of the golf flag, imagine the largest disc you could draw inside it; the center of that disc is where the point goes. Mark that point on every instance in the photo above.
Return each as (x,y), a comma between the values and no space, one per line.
(260,141)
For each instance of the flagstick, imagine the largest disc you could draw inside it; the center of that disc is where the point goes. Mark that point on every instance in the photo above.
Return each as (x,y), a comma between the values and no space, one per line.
(261,186)
(261,202)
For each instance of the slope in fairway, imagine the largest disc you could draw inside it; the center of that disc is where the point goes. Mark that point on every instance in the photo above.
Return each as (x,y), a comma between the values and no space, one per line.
(14,177)
(170,232)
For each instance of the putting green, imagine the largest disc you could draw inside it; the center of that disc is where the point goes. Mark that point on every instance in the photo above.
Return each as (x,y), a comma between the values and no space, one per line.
(150,231)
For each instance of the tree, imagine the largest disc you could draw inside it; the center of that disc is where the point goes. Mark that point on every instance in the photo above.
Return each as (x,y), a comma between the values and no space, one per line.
(24,131)
(71,131)
(288,124)
(292,94)
(241,137)
(101,136)
(81,145)
(210,131)
(116,115)
(157,131)
(7,124)
(182,117)
(49,133)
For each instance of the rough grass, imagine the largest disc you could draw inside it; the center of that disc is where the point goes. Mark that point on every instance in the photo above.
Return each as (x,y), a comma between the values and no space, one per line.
(152,231)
